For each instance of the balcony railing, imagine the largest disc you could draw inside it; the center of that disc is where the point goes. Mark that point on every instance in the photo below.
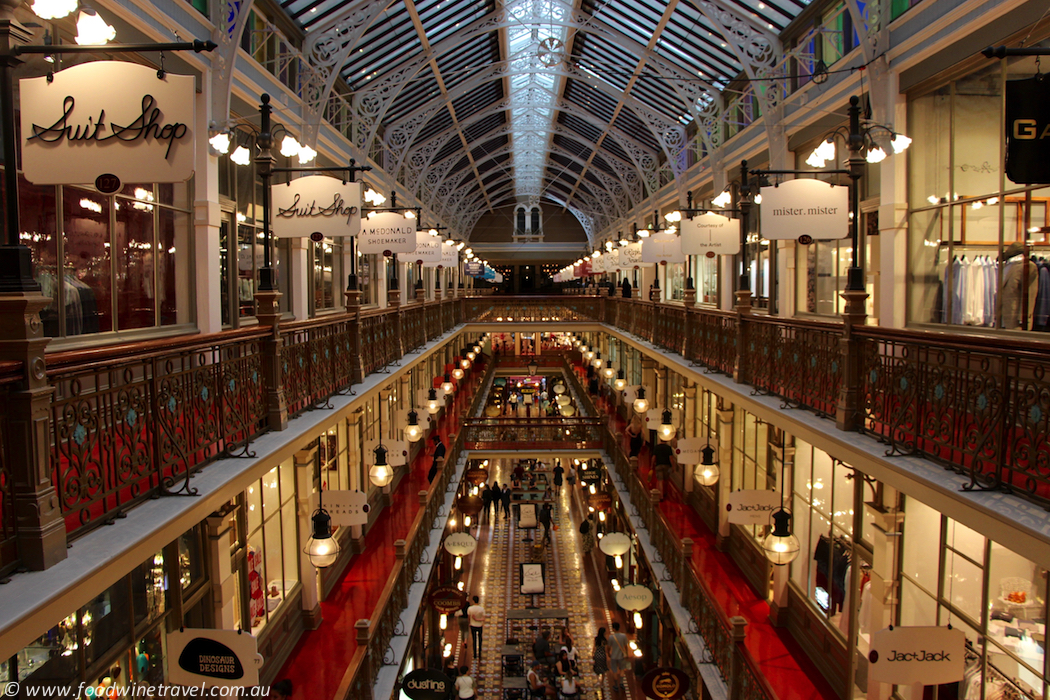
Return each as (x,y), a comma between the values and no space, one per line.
(133,421)
(538,433)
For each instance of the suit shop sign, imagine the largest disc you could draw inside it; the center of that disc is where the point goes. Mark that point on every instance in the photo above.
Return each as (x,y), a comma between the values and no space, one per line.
(927,655)
(805,207)
(317,204)
(752,506)
(215,658)
(1027,131)
(387,233)
(107,118)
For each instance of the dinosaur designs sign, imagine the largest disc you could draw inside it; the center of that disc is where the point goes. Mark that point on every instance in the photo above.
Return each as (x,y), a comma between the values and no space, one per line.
(107,118)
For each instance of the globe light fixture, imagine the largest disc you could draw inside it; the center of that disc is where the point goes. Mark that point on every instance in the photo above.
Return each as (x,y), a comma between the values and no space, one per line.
(458,373)
(321,549)
(447,386)
(609,372)
(597,361)
(413,431)
(433,403)
(666,430)
(641,404)
(621,383)
(781,546)
(380,473)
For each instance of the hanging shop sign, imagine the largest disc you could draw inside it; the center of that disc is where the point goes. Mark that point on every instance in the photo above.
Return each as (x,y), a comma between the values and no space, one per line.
(449,257)
(691,450)
(583,269)
(316,204)
(213,658)
(612,260)
(600,500)
(447,599)
(473,269)
(665,684)
(387,233)
(816,208)
(752,506)
(347,508)
(634,597)
(460,544)
(655,416)
(470,505)
(598,265)
(422,684)
(630,256)
(710,233)
(662,248)
(428,249)
(107,118)
(1027,131)
(927,655)
(615,543)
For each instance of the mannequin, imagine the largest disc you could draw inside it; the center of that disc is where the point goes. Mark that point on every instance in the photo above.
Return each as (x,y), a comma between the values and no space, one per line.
(1019,274)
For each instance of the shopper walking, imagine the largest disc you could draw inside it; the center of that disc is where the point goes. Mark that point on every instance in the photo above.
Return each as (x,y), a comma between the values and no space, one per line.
(600,655)
(505,500)
(617,656)
(465,684)
(476,614)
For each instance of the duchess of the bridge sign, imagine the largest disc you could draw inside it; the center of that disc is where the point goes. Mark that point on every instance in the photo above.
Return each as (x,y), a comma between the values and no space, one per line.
(107,117)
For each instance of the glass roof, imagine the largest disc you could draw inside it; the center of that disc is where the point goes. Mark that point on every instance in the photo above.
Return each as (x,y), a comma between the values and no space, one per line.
(477,104)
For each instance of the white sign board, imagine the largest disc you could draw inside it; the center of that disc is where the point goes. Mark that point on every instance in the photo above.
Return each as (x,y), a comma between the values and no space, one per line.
(532,578)
(316,204)
(107,117)
(428,249)
(387,232)
(460,544)
(927,655)
(662,248)
(691,450)
(449,258)
(630,256)
(805,207)
(710,233)
(214,658)
(634,597)
(598,264)
(612,260)
(655,416)
(752,507)
(347,508)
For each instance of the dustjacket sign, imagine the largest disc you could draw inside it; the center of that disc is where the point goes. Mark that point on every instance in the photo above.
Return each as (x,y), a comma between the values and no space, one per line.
(396,452)
(318,203)
(634,597)
(213,657)
(630,256)
(662,248)
(1027,131)
(428,249)
(691,450)
(447,599)
(665,684)
(927,655)
(422,684)
(387,232)
(752,506)
(107,117)
(810,207)
(347,508)
(710,233)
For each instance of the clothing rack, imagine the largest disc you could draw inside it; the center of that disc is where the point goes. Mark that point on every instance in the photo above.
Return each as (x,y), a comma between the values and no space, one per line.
(1013,690)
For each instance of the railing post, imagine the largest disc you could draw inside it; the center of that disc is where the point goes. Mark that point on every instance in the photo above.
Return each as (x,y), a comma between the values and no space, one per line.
(394,303)
(268,312)
(736,659)
(39,527)
(743,313)
(353,308)
(364,636)
(687,558)
(849,411)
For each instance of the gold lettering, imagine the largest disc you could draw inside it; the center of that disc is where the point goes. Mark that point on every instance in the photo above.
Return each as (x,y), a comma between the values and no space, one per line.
(1024,129)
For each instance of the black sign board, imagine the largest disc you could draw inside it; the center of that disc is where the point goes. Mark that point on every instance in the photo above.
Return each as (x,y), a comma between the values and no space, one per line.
(1028,131)
(427,685)
(665,684)
(208,657)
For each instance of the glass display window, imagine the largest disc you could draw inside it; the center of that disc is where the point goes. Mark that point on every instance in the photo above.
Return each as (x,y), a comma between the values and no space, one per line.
(752,466)
(106,621)
(149,585)
(191,562)
(327,273)
(272,561)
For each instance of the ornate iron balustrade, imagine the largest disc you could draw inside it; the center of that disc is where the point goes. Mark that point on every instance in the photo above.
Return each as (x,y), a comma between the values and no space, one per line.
(128,423)
(532,309)
(316,362)
(10,374)
(538,433)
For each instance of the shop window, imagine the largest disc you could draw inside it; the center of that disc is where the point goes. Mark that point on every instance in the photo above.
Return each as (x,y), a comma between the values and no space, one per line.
(105,622)
(366,265)
(52,659)
(272,558)
(705,278)
(675,276)
(752,467)
(190,559)
(149,585)
(327,273)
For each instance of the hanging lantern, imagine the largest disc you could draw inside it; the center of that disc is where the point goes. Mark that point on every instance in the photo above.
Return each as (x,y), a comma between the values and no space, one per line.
(447,386)
(621,383)
(641,404)
(781,545)
(597,361)
(666,430)
(413,431)
(321,549)
(380,474)
(433,403)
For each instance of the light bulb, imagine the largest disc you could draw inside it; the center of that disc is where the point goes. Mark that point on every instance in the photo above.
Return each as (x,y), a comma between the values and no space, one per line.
(466,521)
(54,9)
(413,432)
(290,147)
(619,561)
(608,373)
(638,620)
(826,150)
(92,30)
(464,363)
(459,560)
(722,199)
(643,232)
(448,387)
(815,161)
(593,489)
(471,355)
(241,156)
(666,430)
(707,474)
(443,621)
(306,155)
(459,585)
(876,155)
(673,216)
(620,384)
(900,143)
(641,405)
(615,585)
(601,516)
(220,142)
(457,373)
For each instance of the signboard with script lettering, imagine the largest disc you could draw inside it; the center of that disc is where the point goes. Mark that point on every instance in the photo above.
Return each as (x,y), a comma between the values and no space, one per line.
(810,207)
(214,658)
(598,264)
(662,248)
(630,256)
(107,117)
(318,203)
(347,508)
(634,597)
(710,233)
(423,684)
(428,249)
(447,599)
(665,684)
(387,232)
(752,506)
(927,655)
